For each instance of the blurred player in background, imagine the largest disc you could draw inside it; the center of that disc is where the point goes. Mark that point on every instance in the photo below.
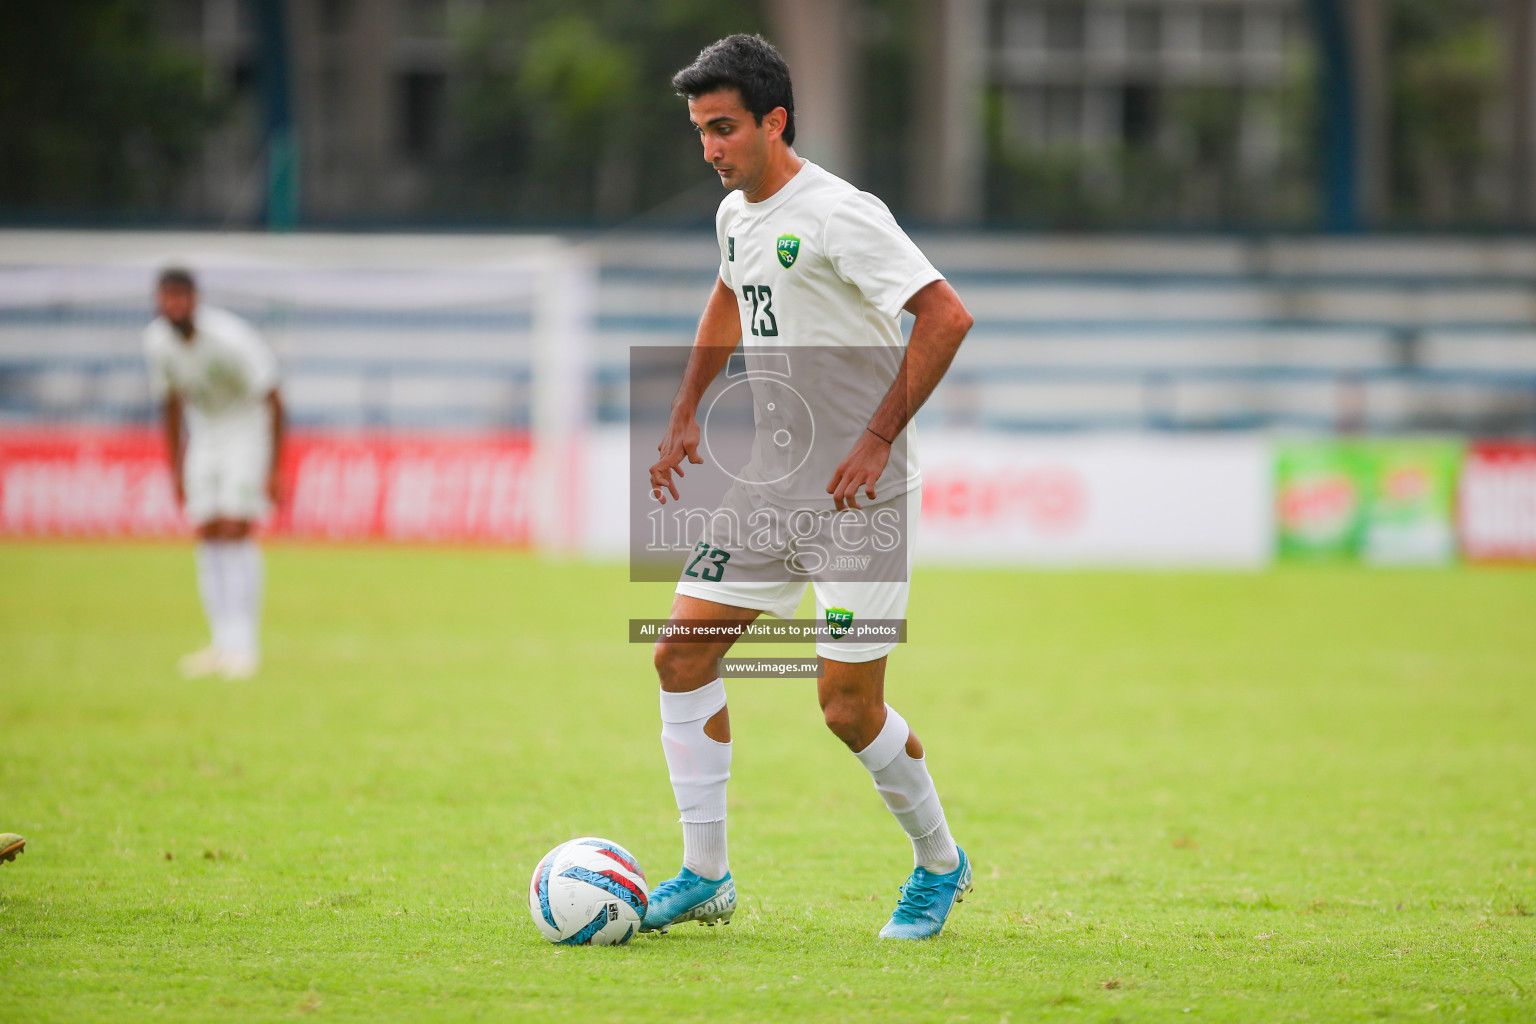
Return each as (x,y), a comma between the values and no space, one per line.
(806,260)
(218,379)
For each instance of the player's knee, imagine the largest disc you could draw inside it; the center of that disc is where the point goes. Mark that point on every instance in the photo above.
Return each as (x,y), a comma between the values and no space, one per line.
(219,530)
(848,720)
(679,664)
(661,659)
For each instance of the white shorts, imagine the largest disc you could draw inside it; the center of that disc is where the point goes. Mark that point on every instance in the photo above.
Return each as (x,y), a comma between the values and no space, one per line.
(225,474)
(855,600)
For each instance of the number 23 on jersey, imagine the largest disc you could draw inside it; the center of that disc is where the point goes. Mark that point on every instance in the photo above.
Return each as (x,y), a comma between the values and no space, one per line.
(764,323)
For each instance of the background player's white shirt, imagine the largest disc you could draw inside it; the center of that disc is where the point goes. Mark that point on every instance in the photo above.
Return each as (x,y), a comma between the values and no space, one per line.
(223,374)
(822,267)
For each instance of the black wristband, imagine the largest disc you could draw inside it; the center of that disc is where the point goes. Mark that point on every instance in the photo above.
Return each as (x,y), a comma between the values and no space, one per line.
(872,431)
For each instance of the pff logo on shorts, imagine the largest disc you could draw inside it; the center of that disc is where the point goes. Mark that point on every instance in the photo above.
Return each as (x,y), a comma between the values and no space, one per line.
(788,250)
(839,621)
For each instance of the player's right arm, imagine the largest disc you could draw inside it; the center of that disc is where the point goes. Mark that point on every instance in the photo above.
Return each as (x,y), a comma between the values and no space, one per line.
(719,332)
(162,388)
(172,416)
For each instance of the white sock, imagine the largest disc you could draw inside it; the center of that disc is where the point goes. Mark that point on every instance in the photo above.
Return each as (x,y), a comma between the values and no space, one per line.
(210,587)
(699,767)
(242,596)
(905,785)
(704,849)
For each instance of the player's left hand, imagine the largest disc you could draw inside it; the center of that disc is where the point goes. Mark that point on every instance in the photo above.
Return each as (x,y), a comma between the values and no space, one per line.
(681,440)
(274,489)
(859,470)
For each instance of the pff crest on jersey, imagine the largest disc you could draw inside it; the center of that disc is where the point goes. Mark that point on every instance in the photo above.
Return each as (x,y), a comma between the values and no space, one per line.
(788,250)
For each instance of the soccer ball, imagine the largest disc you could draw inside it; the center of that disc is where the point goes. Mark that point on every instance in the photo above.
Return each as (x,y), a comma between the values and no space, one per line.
(588,892)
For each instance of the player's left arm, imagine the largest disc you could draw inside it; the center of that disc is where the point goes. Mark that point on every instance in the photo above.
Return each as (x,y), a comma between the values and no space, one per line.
(259,365)
(941,324)
(274,402)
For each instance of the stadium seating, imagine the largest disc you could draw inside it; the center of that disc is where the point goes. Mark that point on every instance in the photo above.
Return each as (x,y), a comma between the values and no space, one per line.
(1381,335)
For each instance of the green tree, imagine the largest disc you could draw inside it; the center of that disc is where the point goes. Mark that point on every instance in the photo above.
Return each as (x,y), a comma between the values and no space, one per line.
(97,110)
(1446,75)
(566,112)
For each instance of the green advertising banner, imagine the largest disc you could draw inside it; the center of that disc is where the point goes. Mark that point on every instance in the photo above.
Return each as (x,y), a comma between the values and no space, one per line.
(1388,502)
(1320,510)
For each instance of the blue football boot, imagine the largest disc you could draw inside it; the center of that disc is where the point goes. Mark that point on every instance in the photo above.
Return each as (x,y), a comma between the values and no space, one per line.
(926,900)
(689,898)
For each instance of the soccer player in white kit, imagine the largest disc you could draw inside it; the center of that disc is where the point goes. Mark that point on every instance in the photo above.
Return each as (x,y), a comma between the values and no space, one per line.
(809,262)
(216,377)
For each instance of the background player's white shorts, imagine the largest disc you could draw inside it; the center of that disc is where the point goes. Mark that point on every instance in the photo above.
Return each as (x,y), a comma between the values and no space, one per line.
(225,474)
(866,600)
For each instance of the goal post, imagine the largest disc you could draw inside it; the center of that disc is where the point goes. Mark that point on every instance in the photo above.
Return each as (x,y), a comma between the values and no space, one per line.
(385,341)
(562,401)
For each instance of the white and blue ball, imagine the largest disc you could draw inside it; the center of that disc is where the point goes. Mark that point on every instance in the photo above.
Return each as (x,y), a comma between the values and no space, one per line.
(588,892)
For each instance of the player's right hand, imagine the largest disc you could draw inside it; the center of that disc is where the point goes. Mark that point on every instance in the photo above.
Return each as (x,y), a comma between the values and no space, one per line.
(181,492)
(681,439)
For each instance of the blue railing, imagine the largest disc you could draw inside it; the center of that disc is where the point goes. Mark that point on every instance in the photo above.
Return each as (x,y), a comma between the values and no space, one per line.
(96,386)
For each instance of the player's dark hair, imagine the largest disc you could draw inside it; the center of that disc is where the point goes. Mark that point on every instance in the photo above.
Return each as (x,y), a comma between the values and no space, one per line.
(178,276)
(751,66)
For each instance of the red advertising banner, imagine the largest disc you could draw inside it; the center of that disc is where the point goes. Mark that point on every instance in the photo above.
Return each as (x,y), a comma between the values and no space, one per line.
(1498,502)
(115,483)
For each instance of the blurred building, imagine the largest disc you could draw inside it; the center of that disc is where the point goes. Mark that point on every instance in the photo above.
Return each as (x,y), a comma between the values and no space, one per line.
(1106,72)
(1063,113)
(369,84)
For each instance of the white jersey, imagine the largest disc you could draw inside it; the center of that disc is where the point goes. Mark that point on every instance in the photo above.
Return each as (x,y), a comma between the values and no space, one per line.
(823,270)
(223,374)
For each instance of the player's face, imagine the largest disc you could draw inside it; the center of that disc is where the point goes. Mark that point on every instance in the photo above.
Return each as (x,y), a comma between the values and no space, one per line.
(735,145)
(176,302)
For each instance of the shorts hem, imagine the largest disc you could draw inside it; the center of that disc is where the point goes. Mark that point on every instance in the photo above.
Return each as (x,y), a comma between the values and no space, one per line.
(853,654)
(736,600)
(202,518)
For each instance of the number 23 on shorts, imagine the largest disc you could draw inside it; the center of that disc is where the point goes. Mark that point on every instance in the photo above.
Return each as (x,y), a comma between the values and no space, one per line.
(715,569)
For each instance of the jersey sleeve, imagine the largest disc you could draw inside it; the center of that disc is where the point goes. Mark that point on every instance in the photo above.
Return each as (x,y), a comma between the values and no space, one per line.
(258,364)
(868,249)
(722,236)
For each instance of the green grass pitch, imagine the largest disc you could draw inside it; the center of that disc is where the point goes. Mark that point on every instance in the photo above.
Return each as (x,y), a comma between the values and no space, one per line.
(1301,795)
